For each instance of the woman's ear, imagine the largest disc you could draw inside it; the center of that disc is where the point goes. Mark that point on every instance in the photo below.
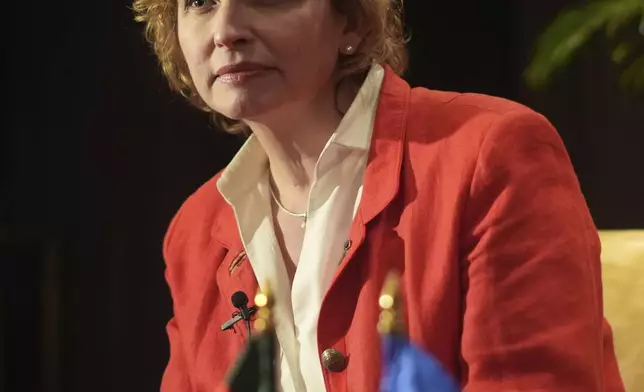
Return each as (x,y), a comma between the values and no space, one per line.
(350,43)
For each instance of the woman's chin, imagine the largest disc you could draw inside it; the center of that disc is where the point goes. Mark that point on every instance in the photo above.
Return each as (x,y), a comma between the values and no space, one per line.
(244,103)
(239,115)
(244,111)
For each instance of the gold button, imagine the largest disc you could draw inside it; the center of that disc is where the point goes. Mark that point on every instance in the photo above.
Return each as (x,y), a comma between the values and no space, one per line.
(333,360)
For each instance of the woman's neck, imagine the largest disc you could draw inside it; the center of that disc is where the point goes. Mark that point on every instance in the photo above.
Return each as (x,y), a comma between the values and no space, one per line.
(293,142)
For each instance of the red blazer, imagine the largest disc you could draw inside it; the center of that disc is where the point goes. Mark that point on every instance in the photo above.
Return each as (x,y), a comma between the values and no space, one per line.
(474,200)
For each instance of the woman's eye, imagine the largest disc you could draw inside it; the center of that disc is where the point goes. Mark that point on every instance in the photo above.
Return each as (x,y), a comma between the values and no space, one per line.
(199,4)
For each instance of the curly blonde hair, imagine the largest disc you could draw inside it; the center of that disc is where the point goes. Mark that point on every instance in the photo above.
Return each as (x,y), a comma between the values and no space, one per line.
(384,43)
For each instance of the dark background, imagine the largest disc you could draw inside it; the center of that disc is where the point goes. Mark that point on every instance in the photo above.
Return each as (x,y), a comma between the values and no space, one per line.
(97,156)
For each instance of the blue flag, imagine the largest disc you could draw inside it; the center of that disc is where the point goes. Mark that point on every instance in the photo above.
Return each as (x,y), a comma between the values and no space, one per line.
(407,368)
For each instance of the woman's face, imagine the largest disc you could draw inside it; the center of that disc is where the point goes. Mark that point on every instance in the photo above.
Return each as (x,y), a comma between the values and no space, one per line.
(249,58)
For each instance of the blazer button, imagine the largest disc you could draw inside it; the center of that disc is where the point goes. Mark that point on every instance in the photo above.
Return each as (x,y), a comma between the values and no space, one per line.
(333,360)
(347,246)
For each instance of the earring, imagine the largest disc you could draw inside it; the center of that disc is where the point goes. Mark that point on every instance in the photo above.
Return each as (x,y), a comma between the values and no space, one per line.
(348,49)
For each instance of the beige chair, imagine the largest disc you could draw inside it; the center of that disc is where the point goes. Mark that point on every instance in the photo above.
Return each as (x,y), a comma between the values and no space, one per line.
(623,276)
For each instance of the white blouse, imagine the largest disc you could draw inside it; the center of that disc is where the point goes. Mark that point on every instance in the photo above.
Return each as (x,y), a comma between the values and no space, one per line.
(333,201)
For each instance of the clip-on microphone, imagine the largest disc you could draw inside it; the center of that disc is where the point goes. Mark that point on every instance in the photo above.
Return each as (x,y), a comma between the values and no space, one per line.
(240,300)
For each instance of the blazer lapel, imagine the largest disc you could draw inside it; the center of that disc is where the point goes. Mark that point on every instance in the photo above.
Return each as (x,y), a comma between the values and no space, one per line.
(382,174)
(247,272)
(235,272)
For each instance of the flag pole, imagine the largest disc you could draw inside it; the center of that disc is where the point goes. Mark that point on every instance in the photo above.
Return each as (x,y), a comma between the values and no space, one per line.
(264,301)
(255,368)
(264,326)
(406,366)
(390,306)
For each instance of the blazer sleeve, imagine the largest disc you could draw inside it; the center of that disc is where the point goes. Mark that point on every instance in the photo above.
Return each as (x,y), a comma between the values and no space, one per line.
(533,318)
(176,377)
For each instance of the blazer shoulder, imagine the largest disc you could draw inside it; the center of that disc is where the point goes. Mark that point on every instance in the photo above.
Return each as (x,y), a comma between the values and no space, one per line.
(196,217)
(464,101)
(206,200)
(470,115)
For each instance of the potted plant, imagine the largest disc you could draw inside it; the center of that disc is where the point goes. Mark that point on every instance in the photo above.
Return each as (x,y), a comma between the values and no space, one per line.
(621,21)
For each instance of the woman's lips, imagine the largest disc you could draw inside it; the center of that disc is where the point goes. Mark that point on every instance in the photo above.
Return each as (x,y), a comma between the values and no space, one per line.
(241,77)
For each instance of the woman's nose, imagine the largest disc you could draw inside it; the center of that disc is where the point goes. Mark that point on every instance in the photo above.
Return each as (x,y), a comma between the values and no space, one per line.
(230,25)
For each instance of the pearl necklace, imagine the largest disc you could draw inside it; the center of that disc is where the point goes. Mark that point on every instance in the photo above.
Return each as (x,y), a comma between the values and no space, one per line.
(302,215)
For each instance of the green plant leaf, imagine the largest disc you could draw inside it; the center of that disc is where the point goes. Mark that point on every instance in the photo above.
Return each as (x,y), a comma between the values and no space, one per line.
(572,29)
(622,14)
(621,52)
(632,77)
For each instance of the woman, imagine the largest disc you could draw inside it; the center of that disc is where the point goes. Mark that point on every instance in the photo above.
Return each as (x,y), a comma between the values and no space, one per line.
(348,174)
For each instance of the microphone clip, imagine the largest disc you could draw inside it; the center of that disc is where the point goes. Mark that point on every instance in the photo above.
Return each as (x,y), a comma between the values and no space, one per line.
(237,317)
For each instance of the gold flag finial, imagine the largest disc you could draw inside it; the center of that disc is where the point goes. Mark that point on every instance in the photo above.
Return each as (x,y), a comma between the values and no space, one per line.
(264,301)
(389,302)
